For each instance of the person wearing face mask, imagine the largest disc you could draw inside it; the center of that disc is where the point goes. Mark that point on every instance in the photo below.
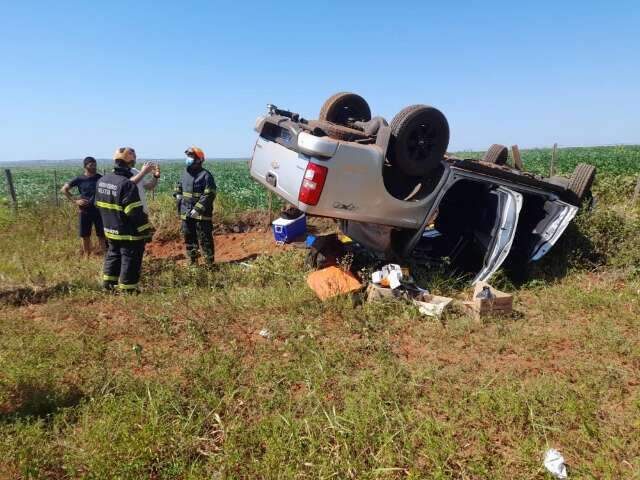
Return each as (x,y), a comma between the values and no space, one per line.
(126,224)
(88,214)
(195,193)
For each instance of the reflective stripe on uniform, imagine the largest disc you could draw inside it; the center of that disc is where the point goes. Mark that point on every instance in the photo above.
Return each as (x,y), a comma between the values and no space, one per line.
(195,217)
(109,206)
(199,206)
(131,206)
(114,236)
(125,286)
(191,194)
(144,227)
(109,278)
(208,190)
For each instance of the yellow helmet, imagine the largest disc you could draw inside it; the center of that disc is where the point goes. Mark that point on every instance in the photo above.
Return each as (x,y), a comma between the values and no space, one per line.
(126,154)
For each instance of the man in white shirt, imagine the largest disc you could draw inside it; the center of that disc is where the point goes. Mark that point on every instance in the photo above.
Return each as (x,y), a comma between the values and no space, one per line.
(150,184)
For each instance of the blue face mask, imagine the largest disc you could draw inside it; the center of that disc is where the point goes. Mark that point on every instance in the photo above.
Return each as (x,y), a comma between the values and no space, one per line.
(188,161)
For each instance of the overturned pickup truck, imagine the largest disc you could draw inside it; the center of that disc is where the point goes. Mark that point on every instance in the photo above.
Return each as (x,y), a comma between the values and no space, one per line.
(397,192)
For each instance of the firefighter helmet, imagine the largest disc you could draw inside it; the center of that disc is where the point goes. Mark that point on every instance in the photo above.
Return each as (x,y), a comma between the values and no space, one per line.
(196,153)
(126,154)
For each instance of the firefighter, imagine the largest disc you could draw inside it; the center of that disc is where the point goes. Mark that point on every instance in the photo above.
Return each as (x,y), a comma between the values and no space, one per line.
(195,193)
(126,225)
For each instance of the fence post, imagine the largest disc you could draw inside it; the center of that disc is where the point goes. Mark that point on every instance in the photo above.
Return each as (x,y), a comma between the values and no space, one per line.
(554,158)
(270,199)
(55,186)
(12,190)
(636,192)
(517,161)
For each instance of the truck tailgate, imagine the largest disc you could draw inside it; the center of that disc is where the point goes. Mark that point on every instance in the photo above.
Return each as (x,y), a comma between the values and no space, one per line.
(268,158)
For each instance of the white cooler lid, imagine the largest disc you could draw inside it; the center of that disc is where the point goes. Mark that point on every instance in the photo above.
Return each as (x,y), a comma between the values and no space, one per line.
(284,222)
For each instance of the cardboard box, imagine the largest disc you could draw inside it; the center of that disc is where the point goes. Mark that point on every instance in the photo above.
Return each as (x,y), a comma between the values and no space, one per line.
(332,281)
(501,303)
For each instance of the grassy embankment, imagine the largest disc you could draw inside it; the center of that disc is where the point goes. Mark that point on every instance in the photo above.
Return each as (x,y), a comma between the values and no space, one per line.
(176,382)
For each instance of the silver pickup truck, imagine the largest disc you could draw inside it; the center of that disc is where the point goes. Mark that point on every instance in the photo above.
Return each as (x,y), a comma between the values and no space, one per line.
(396,191)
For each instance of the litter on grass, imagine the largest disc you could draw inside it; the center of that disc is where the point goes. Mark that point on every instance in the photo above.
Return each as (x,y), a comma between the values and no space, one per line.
(432,305)
(487,301)
(393,281)
(390,275)
(332,281)
(265,333)
(554,463)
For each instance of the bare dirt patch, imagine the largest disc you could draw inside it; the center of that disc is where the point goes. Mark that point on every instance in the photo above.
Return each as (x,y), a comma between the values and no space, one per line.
(230,247)
(241,241)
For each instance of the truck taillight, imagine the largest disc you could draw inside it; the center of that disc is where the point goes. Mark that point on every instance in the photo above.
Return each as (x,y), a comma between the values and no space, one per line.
(312,183)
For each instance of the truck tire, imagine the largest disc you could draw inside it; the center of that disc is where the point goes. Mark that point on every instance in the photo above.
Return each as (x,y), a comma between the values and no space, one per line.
(344,108)
(497,154)
(581,180)
(419,140)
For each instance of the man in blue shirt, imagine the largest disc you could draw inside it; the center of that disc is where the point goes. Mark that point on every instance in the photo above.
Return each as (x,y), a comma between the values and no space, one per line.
(88,214)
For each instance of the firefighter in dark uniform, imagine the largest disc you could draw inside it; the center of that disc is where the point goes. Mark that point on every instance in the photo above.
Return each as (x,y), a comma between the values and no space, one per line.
(195,193)
(126,226)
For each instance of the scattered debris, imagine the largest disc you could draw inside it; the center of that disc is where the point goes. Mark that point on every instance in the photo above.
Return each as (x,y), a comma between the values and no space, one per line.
(265,333)
(432,305)
(377,292)
(489,301)
(485,293)
(393,281)
(390,275)
(332,281)
(554,463)
(325,251)
(309,240)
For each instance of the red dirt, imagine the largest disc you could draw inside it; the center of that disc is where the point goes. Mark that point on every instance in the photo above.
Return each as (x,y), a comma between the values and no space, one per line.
(229,247)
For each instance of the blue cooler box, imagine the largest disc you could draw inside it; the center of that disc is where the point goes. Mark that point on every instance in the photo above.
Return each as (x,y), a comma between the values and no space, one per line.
(286,230)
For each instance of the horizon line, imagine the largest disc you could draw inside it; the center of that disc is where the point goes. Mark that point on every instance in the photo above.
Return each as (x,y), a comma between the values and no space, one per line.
(237,158)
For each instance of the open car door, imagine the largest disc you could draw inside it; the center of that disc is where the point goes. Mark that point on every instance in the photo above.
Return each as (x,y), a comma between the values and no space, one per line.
(509,204)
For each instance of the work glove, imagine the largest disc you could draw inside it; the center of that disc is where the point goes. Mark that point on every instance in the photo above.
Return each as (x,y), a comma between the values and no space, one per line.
(193,213)
(178,196)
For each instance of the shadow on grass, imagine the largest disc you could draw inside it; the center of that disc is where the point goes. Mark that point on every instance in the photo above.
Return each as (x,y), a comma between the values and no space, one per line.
(30,295)
(40,401)
(574,251)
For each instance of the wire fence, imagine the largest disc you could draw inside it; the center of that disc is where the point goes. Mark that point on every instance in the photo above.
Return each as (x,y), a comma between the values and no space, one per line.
(42,184)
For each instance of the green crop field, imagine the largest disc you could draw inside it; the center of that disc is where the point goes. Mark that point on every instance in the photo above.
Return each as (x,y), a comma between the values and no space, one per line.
(37,182)
(613,160)
(239,191)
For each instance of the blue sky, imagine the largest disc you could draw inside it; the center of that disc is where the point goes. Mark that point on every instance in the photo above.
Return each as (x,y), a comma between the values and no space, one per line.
(80,78)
